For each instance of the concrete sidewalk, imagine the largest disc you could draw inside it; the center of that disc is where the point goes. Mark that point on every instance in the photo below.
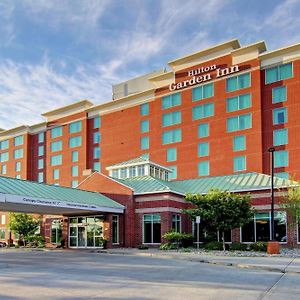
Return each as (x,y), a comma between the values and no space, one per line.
(269,263)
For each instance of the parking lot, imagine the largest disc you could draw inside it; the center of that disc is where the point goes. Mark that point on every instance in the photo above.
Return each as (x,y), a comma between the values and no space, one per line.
(83,275)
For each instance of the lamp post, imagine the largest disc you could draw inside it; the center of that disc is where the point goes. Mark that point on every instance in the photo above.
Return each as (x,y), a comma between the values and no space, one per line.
(272,150)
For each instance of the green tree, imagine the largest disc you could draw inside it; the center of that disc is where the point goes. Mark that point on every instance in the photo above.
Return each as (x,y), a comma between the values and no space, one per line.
(291,204)
(23,224)
(220,210)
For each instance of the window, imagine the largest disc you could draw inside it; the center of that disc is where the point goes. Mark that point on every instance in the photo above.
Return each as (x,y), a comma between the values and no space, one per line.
(97,152)
(173,174)
(141,170)
(3,170)
(176,223)
(203,91)
(172,118)
(259,229)
(97,166)
(281,158)
(144,109)
(171,136)
(238,102)
(115,229)
(203,130)
(4,145)
(171,100)
(56,232)
(56,160)
(75,127)
(279,94)
(18,153)
(41,137)
(144,126)
(18,176)
(96,137)
(75,156)
(74,183)
(56,132)
(56,174)
(145,143)
(238,82)
(280,137)
(97,122)
(3,219)
(151,229)
(239,122)
(203,168)
(40,150)
(203,111)
(239,163)
(203,149)
(19,140)
(239,143)
(75,141)
(145,155)
(18,166)
(284,175)
(171,154)
(4,156)
(279,73)
(40,177)
(2,234)
(74,170)
(40,164)
(279,116)
(56,146)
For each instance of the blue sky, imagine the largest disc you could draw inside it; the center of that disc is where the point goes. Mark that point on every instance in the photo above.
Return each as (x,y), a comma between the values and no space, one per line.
(55,52)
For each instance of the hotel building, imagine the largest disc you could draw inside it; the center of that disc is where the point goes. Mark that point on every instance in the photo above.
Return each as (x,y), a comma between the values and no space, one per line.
(206,122)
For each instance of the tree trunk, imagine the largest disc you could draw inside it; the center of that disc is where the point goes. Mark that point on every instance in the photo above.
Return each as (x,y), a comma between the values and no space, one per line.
(223,240)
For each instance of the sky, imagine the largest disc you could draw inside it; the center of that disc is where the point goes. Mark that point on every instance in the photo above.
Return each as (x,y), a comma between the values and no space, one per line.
(56,52)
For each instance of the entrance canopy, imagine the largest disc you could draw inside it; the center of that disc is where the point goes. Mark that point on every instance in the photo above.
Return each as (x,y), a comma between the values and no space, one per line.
(18,195)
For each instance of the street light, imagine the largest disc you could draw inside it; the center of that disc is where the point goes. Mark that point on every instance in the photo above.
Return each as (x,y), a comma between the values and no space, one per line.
(272,150)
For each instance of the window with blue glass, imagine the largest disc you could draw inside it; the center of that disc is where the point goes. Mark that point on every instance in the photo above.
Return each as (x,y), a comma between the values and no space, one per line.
(4,157)
(171,154)
(280,137)
(145,143)
(18,166)
(75,141)
(56,174)
(19,140)
(280,115)
(203,111)
(279,94)
(172,118)
(203,130)
(40,150)
(238,102)
(4,145)
(238,82)
(74,183)
(173,174)
(40,177)
(203,149)
(277,73)
(74,171)
(203,168)
(18,153)
(281,158)
(171,101)
(3,169)
(97,122)
(145,155)
(96,137)
(97,152)
(239,143)
(171,136)
(75,156)
(203,92)
(56,132)
(144,109)
(284,175)
(75,127)
(239,122)
(144,126)
(239,163)
(56,146)
(97,166)
(41,137)
(56,160)
(41,163)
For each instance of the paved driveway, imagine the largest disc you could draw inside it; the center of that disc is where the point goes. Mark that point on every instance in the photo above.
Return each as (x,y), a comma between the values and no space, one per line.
(83,275)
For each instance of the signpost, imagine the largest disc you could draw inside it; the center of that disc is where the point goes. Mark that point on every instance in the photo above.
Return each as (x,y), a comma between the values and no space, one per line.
(198,220)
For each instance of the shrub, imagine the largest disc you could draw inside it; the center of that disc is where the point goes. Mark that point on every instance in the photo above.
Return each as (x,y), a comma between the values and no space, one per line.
(167,246)
(179,239)
(187,240)
(143,247)
(35,240)
(214,246)
(259,246)
(238,247)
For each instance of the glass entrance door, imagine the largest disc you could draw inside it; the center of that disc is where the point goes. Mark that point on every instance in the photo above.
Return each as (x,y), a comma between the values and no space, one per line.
(81,236)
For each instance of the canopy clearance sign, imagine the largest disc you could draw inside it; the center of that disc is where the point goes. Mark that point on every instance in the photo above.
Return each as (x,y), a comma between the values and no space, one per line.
(202,75)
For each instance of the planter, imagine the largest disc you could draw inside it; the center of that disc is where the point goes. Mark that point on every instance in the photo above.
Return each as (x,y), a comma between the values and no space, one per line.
(273,247)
